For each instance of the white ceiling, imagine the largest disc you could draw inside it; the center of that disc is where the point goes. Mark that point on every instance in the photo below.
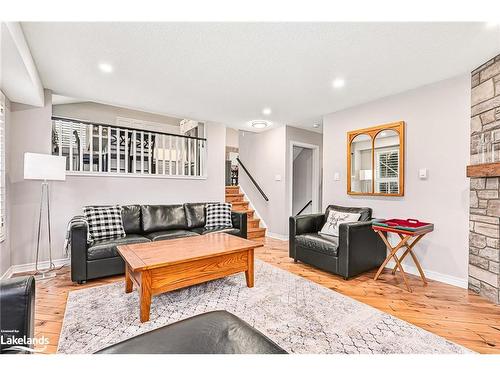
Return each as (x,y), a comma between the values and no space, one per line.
(228,72)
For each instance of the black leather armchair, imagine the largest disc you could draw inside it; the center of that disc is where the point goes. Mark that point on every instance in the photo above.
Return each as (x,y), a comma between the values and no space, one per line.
(357,248)
(215,332)
(17,309)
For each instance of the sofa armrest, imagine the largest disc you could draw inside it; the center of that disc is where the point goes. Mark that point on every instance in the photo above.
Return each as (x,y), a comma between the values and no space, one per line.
(78,251)
(360,248)
(239,220)
(17,305)
(302,224)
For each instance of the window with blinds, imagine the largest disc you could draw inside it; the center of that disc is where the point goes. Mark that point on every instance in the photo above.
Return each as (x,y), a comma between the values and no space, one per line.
(2,167)
(387,171)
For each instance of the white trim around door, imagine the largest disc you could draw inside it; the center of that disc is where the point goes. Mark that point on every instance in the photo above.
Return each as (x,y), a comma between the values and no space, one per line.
(315,175)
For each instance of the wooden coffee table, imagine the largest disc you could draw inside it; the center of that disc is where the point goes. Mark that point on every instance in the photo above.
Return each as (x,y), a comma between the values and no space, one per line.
(162,266)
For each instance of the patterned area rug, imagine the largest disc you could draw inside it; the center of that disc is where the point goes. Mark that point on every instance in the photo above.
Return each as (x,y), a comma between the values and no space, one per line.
(299,315)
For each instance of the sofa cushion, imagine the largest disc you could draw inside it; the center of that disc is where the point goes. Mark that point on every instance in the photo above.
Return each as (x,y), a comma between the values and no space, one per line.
(318,242)
(195,214)
(365,212)
(131,217)
(107,248)
(216,229)
(159,218)
(170,234)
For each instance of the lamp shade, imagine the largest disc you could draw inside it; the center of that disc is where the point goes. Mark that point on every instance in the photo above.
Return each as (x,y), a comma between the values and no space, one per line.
(44,167)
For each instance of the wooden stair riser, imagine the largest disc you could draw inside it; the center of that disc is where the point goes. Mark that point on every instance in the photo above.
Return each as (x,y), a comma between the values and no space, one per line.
(232,190)
(256,232)
(231,198)
(253,223)
(240,206)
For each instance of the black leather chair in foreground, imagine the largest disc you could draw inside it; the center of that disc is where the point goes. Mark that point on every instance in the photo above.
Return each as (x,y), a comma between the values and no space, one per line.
(216,332)
(17,317)
(357,248)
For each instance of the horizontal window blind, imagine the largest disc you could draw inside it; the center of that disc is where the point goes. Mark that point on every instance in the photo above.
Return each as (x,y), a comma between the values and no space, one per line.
(2,168)
(387,171)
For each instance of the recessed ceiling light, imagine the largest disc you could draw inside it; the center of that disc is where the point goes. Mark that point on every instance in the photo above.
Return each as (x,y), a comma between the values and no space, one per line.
(338,83)
(105,67)
(259,124)
(266,111)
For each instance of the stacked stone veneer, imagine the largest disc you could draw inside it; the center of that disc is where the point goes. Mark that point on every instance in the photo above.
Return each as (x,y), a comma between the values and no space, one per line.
(484,249)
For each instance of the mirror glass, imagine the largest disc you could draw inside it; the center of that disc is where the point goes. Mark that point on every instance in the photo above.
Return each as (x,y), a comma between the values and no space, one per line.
(387,162)
(361,164)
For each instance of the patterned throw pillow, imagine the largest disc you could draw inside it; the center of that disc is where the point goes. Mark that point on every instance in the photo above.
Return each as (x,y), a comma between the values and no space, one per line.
(335,218)
(105,222)
(219,215)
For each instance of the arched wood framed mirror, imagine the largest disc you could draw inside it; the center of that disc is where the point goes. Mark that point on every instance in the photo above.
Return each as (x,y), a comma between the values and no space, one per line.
(375,160)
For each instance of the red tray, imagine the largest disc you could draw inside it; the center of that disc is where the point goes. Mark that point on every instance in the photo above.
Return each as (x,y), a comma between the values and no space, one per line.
(411,225)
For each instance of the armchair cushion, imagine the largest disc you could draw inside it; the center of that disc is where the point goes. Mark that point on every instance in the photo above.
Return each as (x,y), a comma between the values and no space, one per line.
(321,243)
(107,248)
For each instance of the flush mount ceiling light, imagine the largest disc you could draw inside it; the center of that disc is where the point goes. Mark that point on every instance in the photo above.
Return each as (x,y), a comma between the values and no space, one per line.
(266,111)
(338,83)
(105,67)
(316,125)
(259,124)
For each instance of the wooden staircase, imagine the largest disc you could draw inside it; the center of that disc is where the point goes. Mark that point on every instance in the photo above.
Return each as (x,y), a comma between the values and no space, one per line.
(234,196)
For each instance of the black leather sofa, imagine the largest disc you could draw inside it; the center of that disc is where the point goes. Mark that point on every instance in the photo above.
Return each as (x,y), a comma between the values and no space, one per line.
(215,332)
(17,312)
(142,223)
(357,248)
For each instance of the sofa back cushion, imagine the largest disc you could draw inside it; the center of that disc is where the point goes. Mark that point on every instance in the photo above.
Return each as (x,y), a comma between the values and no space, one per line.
(195,214)
(156,218)
(365,212)
(131,216)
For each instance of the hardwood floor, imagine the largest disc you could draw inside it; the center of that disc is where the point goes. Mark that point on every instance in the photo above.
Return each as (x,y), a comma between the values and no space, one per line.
(451,312)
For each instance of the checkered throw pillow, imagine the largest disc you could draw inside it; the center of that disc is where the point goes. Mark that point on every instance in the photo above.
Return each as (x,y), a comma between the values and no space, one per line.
(105,222)
(219,215)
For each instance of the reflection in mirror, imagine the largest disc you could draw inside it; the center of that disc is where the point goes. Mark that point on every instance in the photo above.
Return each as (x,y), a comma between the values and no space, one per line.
(386,158)
(361,164)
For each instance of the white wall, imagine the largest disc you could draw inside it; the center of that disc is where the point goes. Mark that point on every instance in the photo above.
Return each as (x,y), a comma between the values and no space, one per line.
(31,132)
(437,138)
(5,259)
(264,156)
(107,114)
(232,137)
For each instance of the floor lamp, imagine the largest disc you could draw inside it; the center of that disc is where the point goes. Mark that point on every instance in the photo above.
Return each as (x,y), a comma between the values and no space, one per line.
(45,168)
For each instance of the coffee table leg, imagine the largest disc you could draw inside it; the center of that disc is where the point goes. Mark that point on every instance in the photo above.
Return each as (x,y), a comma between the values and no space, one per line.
(145,296)
(128,281)
(249,272)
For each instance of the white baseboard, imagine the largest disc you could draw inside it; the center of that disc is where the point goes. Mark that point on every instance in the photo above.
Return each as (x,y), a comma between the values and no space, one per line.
(277,236)
(262,222)
(433,275)
(29,267)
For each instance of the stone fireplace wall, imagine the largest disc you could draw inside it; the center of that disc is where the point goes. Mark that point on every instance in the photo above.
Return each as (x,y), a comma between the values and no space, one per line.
(484,232)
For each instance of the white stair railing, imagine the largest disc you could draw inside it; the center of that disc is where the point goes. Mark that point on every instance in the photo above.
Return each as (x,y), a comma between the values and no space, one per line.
(102,149)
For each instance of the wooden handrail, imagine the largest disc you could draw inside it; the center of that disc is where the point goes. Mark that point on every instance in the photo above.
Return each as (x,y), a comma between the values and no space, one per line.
(253,180)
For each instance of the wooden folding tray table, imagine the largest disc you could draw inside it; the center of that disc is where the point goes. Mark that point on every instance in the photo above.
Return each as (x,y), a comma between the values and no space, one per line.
(406,230)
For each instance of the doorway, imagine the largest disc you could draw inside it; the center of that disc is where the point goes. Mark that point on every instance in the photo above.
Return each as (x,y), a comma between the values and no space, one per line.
(304,178)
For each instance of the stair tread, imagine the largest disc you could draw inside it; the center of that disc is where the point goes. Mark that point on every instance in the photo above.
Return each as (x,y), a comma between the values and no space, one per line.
(234,195)
(256,229)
